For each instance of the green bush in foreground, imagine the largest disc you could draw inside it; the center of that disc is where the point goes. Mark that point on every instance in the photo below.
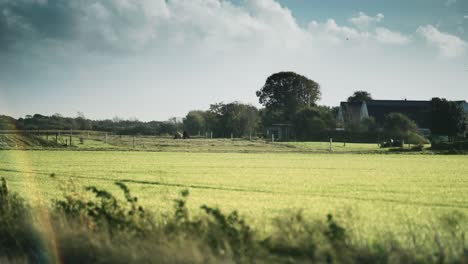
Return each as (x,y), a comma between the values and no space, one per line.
(99,228)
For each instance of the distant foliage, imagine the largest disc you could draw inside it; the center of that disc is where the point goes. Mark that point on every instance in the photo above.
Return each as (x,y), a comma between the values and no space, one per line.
(360,96)
(234,118)
(7,123)
(311,122)
(447,118)
(116,125)
(195,122)
(399,126)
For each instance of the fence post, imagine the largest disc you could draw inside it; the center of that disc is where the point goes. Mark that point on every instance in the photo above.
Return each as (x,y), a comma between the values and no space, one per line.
(250,136)
(71,136)
(331,141)
(272,137)
(133,141)
(211,135)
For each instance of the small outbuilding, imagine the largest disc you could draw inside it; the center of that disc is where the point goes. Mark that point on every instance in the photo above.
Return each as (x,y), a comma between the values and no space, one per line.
(281,132)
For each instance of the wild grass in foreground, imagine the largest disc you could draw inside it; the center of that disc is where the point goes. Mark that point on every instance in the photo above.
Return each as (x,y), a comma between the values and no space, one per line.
(93,226)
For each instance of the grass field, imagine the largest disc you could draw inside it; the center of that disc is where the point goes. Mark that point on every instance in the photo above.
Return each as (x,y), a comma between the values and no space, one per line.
(371,193)
(168,144)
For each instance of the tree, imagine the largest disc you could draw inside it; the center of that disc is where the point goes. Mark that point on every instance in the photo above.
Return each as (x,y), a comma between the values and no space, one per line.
(399,126)
(369,125)
(313,123)
(194,122)
(288,92)
(447,118)
(233,118)
(7,123)
(82,122)
(359,96)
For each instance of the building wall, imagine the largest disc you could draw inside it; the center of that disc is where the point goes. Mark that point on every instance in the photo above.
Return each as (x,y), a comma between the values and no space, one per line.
(465,107)
(364,112)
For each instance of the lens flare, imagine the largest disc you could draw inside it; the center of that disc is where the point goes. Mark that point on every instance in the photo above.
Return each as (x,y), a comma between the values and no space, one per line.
(23,163)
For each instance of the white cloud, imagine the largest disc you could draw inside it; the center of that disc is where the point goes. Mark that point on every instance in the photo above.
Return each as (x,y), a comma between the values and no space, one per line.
(363,21)
(208,50)
(465,17)
(331,32)
(448,45)
(211,23)
(134,26)
(386,36)
(336,34)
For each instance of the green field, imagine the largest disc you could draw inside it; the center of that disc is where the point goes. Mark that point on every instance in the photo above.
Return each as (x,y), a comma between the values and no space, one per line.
(168,144)
(371,193)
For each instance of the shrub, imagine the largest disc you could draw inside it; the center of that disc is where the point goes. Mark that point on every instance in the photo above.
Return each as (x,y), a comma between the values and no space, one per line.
(18,238)
(105,211)
(417,139)
(103,229)
(457,145)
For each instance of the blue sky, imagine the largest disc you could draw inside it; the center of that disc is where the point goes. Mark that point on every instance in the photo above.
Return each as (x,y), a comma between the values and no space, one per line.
(155,59)
(405,15)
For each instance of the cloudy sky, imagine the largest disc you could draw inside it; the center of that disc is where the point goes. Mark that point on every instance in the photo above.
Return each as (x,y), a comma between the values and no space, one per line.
(155,59)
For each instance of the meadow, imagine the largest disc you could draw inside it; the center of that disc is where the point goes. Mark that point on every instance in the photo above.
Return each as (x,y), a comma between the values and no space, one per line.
(372,193)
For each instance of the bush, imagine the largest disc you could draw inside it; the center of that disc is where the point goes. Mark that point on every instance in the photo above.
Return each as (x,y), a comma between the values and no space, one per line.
(416,139)
(457,145)
(103,229)
(107,212)
(18,239)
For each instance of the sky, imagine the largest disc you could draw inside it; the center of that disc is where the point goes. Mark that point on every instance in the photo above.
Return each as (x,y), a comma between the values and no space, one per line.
(156,59)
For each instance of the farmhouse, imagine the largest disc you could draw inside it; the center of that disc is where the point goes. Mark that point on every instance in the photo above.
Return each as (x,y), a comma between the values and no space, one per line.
(419,111)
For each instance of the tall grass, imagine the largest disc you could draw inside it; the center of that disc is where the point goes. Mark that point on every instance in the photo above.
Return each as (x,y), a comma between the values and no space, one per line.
(94,226)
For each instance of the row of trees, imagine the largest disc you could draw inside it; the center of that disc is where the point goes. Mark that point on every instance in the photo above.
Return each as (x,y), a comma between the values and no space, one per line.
(286,97)
(224,120)
(115,125)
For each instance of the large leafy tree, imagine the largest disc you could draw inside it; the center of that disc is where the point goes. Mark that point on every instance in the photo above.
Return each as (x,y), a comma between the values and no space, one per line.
(288,92)
(360,96)
(447,118)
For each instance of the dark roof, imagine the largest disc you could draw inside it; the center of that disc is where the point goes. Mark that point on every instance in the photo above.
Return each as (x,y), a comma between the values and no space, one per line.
(406,103)
(419,111)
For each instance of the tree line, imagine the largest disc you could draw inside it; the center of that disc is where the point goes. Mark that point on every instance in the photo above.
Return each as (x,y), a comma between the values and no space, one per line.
(286,98)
